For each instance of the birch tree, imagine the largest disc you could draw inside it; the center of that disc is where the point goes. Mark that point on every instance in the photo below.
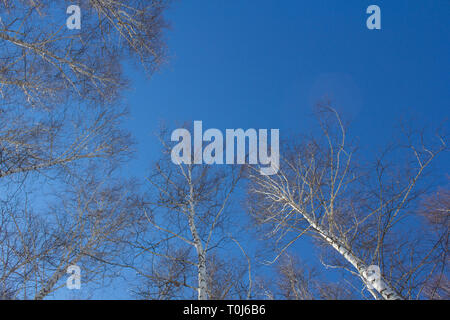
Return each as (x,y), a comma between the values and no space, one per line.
(189,220)
(43,64)
(61,135)
(87,225)
(353,212)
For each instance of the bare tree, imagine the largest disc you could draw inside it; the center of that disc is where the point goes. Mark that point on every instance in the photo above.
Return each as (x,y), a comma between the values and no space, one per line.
(229,277)
(353,210)
(436,211)
(189,220)
(88,226)
(44,64)
(62,140)
(294,280)
(61,88)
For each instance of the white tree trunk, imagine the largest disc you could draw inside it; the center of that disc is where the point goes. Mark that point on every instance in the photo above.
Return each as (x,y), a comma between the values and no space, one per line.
(201,252)
(202,284)
(379,285)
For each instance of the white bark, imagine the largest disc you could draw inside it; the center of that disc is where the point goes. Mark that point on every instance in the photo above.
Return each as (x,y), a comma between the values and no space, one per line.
(201,264)
(201,252)
(381,286)
(202,284)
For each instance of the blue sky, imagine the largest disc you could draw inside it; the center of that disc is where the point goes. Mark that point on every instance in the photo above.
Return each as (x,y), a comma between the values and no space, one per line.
(264,64)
